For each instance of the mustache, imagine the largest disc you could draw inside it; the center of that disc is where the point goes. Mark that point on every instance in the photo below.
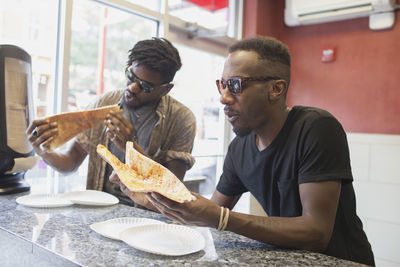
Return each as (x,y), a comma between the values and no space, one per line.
(129,92)
(230,112)
(123,100)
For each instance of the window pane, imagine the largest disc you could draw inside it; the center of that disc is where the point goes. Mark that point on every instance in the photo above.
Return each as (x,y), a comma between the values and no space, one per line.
(195,87)
(209,14)
(101,39)
(32,25)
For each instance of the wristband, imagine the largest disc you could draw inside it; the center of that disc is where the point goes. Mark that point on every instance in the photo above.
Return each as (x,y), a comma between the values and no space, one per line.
(221,216)
(223,219)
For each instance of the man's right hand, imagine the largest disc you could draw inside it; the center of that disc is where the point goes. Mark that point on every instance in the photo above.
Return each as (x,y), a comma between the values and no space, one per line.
(137,197)
(40,134)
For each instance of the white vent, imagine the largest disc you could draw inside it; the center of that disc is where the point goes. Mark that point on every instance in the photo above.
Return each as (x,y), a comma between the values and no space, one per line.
(305,12)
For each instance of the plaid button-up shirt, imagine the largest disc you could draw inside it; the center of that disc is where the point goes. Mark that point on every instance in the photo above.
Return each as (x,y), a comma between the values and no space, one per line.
(171,138)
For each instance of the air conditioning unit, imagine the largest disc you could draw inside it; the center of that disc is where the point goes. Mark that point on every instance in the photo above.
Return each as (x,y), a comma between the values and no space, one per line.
(305,12)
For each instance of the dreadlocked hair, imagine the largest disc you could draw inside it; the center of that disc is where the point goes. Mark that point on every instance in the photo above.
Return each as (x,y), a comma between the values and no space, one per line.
(157,54)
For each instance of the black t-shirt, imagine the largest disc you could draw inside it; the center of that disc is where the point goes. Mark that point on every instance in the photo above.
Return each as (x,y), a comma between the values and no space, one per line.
(311,147)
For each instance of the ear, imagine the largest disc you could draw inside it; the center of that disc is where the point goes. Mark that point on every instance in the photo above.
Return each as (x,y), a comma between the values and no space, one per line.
(167,89)
(278,90)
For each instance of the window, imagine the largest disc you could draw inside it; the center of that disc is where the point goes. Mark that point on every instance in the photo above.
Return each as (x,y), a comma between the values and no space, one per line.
(209,14)
(86,43)
(101,37)
(32,25)
(195,87)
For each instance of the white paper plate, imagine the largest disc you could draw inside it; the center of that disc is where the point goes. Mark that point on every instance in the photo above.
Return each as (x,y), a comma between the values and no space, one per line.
(43,201)
(91,197)
(112,228)
(164,239)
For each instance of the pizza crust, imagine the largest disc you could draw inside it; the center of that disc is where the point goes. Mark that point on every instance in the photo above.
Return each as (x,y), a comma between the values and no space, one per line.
(142,174)
(72,123)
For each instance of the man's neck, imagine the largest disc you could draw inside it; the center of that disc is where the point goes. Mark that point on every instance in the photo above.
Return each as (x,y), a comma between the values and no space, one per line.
(267,134)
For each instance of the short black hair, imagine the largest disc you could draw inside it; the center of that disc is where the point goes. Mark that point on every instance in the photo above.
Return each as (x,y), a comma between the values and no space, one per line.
(269,49)
(157,54)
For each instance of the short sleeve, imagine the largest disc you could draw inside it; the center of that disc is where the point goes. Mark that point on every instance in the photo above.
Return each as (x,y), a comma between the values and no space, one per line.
(324,153)
(229,183)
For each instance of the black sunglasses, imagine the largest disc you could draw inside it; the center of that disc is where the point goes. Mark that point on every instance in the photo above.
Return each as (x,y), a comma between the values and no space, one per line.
(235,84)
(143,85)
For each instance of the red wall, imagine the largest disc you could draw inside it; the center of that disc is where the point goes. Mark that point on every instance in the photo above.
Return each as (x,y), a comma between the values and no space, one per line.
(361,88)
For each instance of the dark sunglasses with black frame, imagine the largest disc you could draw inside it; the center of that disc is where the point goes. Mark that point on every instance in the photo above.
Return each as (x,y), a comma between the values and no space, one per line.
(143,85)
(235,83)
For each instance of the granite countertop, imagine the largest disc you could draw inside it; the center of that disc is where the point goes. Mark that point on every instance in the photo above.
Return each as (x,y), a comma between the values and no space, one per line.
(61,236)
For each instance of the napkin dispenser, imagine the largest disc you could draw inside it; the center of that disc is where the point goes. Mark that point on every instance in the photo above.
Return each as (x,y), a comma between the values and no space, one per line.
(16,111)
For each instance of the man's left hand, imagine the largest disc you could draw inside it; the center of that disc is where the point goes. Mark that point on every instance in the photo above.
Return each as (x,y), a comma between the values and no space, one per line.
(120,130)
(199,212)
(137,197)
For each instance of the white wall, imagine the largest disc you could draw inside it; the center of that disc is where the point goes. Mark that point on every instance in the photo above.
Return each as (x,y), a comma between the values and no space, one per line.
(375,161)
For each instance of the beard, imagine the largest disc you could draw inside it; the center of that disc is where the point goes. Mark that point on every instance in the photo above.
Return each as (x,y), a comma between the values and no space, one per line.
(241,132)
(124,103)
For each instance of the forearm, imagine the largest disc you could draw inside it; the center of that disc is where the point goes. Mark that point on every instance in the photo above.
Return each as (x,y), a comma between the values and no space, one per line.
(60,162)
(66,161)
(292,232)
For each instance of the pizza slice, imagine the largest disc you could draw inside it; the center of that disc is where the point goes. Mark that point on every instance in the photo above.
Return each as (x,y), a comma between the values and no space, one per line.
(72,123)
(142,174)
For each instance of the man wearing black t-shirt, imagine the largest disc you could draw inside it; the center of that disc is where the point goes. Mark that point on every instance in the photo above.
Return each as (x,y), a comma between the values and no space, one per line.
(295,161)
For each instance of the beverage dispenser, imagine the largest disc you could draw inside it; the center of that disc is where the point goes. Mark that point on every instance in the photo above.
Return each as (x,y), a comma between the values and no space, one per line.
(16,112)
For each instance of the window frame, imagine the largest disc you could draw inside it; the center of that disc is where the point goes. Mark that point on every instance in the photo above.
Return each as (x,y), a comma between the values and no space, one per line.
(170,27)
(174,29)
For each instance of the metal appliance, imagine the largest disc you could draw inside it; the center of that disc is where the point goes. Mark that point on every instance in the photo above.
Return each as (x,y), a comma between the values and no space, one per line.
(16,111)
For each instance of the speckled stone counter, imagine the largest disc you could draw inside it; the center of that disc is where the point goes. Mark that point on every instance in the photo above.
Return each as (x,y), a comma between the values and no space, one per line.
(62,237)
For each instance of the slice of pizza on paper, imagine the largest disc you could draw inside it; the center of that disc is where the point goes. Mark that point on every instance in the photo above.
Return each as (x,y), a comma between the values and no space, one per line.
(142,174)
(70,124)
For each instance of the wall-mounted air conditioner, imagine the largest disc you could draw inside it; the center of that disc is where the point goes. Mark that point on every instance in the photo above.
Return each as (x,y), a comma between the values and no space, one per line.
(305,12)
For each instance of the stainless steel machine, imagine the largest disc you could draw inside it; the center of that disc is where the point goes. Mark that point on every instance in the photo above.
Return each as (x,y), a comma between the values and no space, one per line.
(16,111)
